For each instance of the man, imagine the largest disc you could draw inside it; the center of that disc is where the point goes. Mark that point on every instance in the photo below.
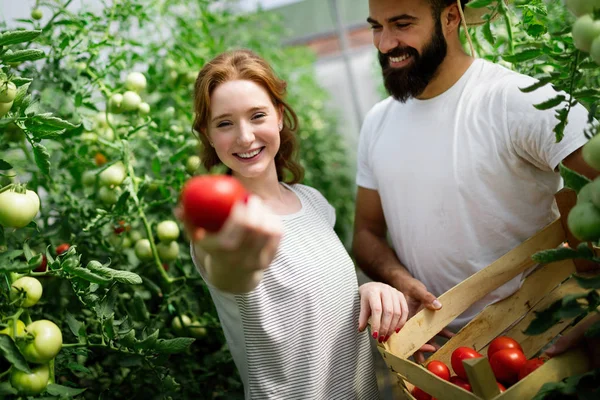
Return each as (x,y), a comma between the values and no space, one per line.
(457,166)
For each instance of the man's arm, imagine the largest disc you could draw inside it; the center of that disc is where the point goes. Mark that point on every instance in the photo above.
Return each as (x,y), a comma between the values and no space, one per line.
(576,162)
(374,255)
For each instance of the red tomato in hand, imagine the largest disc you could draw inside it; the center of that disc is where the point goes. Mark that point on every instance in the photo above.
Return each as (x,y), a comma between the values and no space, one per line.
(420,394)
(460,382)
(507,363)
(501,343)
(460,354)
(530,366)
(440,369)
(207,200)
(61,248)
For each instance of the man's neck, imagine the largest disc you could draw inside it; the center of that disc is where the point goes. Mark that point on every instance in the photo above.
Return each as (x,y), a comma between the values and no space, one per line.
(449,72)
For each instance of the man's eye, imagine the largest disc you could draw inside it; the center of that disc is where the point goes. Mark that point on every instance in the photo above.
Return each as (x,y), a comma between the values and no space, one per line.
(375,27)
(402,26)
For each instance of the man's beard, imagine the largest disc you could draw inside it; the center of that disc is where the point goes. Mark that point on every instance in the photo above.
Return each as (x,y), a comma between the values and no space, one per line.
(410,81)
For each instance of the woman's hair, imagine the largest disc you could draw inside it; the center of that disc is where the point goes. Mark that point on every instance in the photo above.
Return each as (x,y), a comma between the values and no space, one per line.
(246,65)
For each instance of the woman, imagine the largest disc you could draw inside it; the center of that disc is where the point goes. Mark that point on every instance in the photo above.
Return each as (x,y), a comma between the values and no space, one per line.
(283,284)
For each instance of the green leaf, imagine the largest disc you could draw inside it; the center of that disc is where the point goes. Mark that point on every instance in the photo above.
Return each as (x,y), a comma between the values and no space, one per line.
(75,367)
(11,353)
(42,158)
(139,312)
(571,307)
(554,255)
(106,308)
(4,166)
(588,283)
(148,342)
(551,103)
(593,332)
(14,37)
(75,326)
(128,340)
(480,3)
(173,346)
(6,388)
(19,101)
(573,180)
(24,55)
(63,391)
(544,319)
(49,120)
(525,55)
(539,84)
(15,267)
(127,277)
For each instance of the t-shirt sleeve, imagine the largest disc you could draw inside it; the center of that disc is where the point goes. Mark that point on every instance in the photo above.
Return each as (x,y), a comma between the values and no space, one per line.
(364,173)
(532,131)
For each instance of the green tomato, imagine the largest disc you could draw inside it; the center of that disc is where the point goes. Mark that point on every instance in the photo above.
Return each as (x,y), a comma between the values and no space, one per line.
(169,112)
(102,119)
(581,7)
(47,342)
(585,30)
(594,192)
(113,175)
(131,101)
(168,251)
(9,329)
(135,236)
(36,14)
(136,82)
(167,231)
(115,103)
(591,150)
(5,108)
(88,178)
(144,108)
(193,327)
(30,384)
(108,196)
(143,250)
(585,194)
(31,287)
(14,133)
(18,209)
(192,164)
(584,222)
(8,92)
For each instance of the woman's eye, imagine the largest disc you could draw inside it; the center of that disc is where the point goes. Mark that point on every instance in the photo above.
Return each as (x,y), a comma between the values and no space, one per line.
(259,115)
(223,124)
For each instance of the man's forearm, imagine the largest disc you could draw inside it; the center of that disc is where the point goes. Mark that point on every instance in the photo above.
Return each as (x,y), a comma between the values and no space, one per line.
(379,262)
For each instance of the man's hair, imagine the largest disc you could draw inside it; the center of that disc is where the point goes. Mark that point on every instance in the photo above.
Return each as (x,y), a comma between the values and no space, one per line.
(438,5)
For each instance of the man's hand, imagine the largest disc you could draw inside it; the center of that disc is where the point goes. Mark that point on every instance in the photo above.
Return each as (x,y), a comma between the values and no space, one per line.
(577,337)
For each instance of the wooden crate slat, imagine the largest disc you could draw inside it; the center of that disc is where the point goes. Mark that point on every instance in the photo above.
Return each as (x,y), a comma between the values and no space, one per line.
(532,344)
(573,362)
(498,317)
(425,324)
(420,377)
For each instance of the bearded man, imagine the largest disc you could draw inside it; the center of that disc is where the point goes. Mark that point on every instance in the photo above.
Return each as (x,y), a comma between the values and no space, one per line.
(456,167)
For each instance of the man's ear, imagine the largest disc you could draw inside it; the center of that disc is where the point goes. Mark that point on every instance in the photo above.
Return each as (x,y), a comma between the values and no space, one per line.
(451,19)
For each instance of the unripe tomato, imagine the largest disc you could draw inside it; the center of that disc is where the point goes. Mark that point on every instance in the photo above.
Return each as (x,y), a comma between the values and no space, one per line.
(9,329)
(30,384)
(88,178)
(168,251)
(595,54)
(167,231)
(32,289)
(144,108)
(18,209)
(591,150)
(581,7)
(113,175)
(143,250)
(192,164)
(207,200)
(5,108)
(584,222)
(460,354)
(585,194)
(585,30)
(193,327)
(108,196)
(36,14)
(136,82)
(131,101)
(46,344)
(8,92)
(115,103)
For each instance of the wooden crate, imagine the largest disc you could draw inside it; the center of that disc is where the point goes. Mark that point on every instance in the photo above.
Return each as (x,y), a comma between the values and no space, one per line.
(509,317)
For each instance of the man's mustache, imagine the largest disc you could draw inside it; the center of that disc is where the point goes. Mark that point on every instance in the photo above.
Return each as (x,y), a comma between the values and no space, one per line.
(399,52)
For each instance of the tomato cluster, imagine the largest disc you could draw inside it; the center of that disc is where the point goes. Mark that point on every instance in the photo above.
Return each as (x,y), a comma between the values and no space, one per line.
(506,357)
(39,342)
(8,92)
(584,217)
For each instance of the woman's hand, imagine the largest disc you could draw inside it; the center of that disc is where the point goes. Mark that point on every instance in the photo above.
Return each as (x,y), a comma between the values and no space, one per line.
(385,306)
(245,245)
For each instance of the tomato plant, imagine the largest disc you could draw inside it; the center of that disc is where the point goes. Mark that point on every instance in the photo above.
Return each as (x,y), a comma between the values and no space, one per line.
(440,369)
(458,356)
(207,200)
(507,363)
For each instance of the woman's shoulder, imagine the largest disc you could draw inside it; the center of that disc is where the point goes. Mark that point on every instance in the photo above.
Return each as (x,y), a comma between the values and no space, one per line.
(312,196)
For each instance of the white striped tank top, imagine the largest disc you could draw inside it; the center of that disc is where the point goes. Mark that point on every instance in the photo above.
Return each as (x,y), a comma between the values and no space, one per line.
(296,335)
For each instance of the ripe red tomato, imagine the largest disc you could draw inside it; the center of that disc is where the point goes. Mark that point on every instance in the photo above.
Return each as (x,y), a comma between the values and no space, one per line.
(460,382)
(530,366)
(420,394)
(460,354)
(43,265)
(501,343)
(501,387)
(506,364)
(440,369)
(100,159)
(121,227)
(208,199)
(61,248)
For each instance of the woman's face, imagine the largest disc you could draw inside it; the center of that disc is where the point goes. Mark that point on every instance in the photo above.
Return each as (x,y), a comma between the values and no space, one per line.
(244,128)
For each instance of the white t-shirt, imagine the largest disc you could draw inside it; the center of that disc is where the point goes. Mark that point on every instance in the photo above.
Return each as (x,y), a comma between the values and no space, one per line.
(466,176)
(296,335)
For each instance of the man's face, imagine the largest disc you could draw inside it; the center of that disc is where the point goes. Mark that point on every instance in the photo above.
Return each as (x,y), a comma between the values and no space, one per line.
(411,45)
